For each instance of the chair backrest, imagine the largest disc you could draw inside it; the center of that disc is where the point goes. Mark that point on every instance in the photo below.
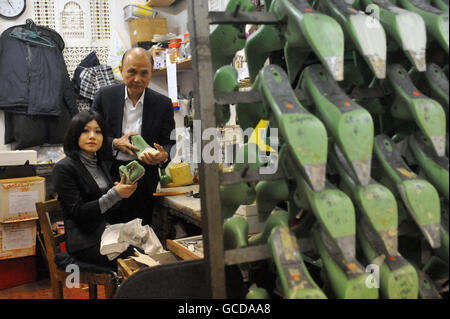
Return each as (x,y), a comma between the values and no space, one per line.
(179,280)
(51,240)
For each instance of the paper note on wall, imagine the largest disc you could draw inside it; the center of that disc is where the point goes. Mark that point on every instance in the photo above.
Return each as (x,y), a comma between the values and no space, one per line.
(17,238)
(172,79)
(21,202)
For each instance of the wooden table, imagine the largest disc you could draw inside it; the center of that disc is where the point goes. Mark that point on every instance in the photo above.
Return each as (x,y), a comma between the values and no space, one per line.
(167,209)
(188,208)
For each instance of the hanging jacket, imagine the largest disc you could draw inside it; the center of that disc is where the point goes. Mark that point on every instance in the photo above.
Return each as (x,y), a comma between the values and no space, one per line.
(89,61)
(33,77)
(94,78)
(30,130)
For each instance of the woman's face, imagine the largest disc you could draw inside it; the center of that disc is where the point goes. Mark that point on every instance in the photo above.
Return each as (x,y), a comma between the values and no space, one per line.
(91,138)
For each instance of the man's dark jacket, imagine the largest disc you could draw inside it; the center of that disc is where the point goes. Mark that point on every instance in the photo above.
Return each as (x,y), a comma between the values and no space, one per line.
(157,121)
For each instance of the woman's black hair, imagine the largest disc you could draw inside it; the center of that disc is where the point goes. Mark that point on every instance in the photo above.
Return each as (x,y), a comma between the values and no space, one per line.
(75,129)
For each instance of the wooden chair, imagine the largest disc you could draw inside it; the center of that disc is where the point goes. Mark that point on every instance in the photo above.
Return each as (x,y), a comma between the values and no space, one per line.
(58,276)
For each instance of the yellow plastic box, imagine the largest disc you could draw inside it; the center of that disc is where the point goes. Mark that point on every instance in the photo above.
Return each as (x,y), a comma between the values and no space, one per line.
(181,175)
(133,11)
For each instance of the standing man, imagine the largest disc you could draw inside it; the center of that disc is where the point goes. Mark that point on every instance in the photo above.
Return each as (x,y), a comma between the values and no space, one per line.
(132,108)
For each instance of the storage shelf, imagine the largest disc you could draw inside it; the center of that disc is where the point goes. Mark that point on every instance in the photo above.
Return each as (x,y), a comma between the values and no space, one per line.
(160,3)
(183,65)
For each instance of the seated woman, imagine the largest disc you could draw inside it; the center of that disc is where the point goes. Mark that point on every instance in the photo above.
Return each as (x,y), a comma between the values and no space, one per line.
(86,191)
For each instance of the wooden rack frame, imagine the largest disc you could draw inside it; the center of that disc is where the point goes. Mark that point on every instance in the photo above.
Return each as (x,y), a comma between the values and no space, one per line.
(210,178)
(204,105)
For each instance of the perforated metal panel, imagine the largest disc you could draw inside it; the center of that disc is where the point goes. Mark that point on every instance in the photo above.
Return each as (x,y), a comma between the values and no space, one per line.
(44,13)
(100,22)
(72,21)
(74,55)
(83,24)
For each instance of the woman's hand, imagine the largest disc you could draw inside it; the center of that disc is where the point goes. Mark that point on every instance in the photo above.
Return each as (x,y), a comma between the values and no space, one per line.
(124,190)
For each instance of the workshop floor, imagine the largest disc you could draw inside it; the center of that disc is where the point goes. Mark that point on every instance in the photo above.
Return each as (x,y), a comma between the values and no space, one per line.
(41,290)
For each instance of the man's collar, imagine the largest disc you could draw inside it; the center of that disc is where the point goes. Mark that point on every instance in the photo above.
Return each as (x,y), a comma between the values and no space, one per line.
(141,99)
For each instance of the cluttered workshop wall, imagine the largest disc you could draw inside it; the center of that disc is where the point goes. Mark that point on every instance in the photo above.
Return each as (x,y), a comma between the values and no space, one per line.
(85,26)
(98,26)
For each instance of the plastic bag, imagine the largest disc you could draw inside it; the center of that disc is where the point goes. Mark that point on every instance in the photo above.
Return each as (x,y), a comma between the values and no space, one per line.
(151,244)
(110,244)
(117,49)
(116,239)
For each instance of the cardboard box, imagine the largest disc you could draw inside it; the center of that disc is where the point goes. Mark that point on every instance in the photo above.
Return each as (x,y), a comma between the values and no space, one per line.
(143,29)
(18,197)
(17,271)
(18,239)
(187,248)
(160,3)
(159,58)
(250,213)
(8,158)
(127,267)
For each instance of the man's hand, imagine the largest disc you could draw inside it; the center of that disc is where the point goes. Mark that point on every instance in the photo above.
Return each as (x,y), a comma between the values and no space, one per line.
(124,190)
(154,158)
(123,144)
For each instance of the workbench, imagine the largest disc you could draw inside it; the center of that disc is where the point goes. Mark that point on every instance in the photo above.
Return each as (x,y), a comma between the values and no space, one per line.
(169,209)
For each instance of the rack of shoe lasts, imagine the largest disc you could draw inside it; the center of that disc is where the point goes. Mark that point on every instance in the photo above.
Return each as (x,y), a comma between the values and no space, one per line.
(355,195)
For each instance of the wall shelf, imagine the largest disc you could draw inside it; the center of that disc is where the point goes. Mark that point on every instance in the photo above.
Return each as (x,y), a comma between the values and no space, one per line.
(183,65)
